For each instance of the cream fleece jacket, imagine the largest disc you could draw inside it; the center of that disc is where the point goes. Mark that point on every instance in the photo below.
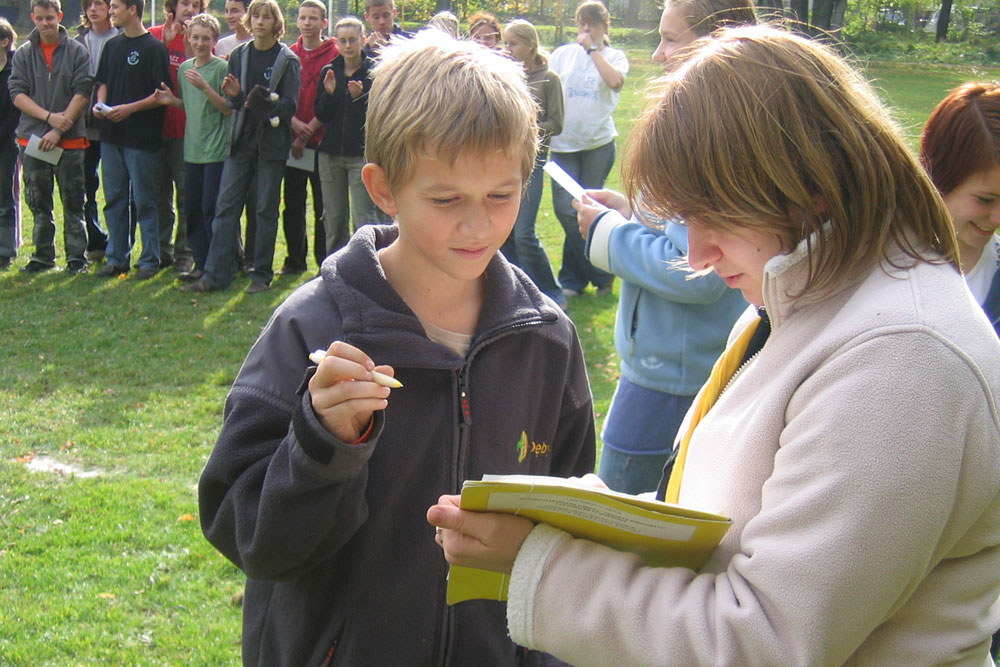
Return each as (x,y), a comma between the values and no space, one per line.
(858,455)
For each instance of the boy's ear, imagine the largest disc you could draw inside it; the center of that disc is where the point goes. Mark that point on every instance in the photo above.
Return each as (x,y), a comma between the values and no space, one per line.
(378,188)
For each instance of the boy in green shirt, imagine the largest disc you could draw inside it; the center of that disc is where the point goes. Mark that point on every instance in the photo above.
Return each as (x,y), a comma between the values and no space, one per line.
(206,134)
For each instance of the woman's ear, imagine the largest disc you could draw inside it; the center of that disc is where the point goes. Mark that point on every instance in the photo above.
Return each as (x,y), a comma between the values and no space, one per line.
(378,188)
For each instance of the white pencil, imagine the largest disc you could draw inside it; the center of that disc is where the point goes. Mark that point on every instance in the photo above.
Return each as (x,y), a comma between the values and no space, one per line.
(318,356)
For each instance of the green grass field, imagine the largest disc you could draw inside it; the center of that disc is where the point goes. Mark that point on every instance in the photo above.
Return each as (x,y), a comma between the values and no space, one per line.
(127,379)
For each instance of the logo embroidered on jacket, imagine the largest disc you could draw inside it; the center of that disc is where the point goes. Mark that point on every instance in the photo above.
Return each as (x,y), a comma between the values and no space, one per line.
(527,446)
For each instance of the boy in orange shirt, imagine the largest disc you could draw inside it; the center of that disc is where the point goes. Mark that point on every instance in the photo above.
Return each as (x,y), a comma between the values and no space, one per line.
(55,69)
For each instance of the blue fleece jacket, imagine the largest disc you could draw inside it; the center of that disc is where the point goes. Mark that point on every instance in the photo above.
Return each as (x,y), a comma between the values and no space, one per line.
(670,328)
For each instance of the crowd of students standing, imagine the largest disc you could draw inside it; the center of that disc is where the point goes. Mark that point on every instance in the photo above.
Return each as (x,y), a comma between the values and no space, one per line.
(190,131)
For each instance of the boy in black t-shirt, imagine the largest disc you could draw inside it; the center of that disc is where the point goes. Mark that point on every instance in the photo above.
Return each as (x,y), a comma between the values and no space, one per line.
(132,67)
(261,139)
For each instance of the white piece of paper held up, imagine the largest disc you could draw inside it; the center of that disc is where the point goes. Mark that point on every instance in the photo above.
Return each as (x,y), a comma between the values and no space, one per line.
(34,150)
(560,176)
(306,163)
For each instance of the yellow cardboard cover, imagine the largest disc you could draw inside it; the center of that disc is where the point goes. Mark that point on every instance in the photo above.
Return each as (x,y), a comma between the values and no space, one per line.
(663,534)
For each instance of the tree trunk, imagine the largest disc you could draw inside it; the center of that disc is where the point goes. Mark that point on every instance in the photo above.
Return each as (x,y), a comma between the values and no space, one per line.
(771,9)
(632,13)
(442,6)
(23,20)
(822,14)
(559,10)
(800,13)
(944,18)
(837,22)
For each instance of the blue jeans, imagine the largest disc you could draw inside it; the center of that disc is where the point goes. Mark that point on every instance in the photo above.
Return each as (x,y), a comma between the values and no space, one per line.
(638,436)
(8,212)
(523,248)
(589,169)
(201,190)
(130,171)
(242,163)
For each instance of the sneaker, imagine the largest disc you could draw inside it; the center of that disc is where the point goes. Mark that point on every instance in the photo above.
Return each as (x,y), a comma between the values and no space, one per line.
(191,276)
(111,271)
(5,263)
(35,267)
(146,274)
(95,255)
(606,289)
(166,262)
(290,271)
(256,287)
(184,265)
(77,267)
(200,287)
(568,293)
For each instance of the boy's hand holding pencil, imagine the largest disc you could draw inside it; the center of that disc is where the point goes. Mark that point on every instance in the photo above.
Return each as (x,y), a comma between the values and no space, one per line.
(347,389)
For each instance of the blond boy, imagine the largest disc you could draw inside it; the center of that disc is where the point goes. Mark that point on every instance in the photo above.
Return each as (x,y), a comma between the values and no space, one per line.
(317,487)
(206,131)
(262,88)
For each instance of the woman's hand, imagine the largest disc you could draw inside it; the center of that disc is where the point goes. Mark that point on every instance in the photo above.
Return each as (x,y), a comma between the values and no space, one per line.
(483,540)
(344,396)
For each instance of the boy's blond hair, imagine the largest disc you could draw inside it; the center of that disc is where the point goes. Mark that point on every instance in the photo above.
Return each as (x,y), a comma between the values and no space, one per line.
(436,96)
(315,4)
(205,21)
(349,22)
(270,6)
(761,129)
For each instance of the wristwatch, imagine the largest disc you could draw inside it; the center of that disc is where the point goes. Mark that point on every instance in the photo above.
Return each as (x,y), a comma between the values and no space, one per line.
(593,47)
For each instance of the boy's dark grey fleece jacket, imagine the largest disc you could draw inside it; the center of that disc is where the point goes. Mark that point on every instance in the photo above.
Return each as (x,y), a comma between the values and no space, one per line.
(274,142)
(340,561)
(53,90)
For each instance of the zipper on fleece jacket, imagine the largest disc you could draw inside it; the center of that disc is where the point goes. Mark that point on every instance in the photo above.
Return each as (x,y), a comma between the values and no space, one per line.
(458,459)
(464,414)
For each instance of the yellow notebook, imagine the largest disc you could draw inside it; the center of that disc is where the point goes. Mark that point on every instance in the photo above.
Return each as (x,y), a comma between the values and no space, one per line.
(663,534)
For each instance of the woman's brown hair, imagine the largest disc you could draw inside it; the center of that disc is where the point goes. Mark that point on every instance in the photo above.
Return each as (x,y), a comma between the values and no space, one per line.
(706,16)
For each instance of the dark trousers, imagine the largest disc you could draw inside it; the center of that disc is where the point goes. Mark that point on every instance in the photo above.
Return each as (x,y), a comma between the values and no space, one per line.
(293,219)
(234,193)
(97,238)
(8,211)
(201,190)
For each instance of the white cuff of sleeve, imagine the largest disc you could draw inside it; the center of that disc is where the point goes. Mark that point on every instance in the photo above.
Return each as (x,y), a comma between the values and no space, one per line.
(600,239)
(524,579)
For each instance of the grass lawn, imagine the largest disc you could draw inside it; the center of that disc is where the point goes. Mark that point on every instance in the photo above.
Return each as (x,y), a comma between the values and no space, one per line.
(127,379)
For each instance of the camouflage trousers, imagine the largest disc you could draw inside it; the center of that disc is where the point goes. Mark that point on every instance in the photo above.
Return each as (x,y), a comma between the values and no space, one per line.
(38,195)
